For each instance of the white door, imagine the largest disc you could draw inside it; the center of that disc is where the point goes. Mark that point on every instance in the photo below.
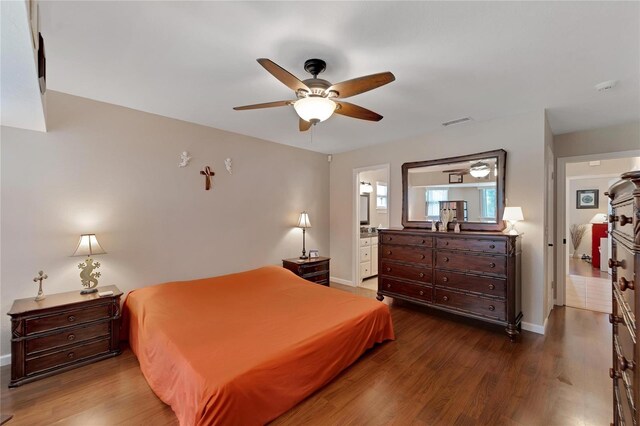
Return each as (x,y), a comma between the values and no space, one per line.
(549,229)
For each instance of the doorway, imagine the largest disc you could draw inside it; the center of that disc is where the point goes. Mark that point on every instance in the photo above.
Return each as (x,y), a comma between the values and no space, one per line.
(583,208)
(371,186)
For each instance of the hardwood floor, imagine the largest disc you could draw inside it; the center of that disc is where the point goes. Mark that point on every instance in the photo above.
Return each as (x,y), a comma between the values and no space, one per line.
(439,371)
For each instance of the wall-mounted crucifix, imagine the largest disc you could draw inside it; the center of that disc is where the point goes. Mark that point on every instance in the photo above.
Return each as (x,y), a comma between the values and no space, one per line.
(208,174)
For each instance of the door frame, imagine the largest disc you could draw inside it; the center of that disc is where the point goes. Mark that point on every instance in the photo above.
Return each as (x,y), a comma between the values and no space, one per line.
(561,211)
(355,195)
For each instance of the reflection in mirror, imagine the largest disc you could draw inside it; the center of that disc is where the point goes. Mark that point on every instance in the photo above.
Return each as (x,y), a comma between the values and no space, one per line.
(469,188)
(364,209)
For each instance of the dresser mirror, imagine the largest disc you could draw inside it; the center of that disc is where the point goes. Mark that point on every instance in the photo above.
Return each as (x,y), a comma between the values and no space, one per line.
(364,209)
(470,188)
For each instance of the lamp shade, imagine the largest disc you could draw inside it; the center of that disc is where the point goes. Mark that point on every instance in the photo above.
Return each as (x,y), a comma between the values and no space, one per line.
(479,169)
(88,246)
(314,108)
(512,214)
(598,218)
(303,220)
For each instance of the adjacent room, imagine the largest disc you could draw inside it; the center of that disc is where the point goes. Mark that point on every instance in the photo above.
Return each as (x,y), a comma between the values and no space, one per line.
(364,213)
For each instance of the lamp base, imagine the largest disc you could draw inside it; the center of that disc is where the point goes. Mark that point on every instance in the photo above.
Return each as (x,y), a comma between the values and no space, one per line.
(303,257)
(89,290)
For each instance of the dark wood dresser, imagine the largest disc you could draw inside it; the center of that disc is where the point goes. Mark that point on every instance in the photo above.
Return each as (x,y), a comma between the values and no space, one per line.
(474,274)
(625,267)
(61,332)
(313,269)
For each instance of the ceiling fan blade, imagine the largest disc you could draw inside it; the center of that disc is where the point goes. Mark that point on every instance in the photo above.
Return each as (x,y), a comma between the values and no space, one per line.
(264,105)
(361,84)
(456,171)
(290,80)
(304,125)
(355,111)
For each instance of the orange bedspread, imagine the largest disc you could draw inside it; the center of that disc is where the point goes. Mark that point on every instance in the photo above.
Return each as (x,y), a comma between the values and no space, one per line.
(242,349)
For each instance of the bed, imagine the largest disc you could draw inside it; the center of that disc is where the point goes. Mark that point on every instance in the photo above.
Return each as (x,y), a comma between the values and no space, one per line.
(244,348)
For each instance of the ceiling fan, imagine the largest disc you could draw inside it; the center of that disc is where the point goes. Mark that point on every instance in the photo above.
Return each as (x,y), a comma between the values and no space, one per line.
(318,99)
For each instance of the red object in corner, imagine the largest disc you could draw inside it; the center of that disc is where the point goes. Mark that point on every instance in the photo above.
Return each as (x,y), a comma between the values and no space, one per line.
(598,230)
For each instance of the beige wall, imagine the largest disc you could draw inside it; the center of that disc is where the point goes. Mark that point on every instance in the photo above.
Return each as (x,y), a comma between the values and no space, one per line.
(113,171)
(623,137)
(522,136)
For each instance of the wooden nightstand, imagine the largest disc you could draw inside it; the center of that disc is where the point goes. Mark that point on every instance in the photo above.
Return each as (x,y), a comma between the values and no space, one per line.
(61,332)
(313,269)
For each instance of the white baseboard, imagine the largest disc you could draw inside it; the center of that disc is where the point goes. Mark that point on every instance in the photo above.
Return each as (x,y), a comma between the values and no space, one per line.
(534,327)
(5,359)
(341,281)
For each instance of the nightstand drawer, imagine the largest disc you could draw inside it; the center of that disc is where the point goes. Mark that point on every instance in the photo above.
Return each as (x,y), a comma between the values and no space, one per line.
(312,268)
(68,337)
(68,356)
(67,318)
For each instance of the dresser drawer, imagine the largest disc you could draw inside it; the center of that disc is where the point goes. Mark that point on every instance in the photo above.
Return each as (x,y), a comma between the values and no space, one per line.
(70,336)
(312,268)
(365,270)
(365,242)
(489,286)
(67,356)
(407,254)
(318,277)
(623,219)
(622,395)
(486,246)
(415,291)
(67,318)
(365,254)
(417,240)
(496,265)
(625,268)
(473,304)
(409,272)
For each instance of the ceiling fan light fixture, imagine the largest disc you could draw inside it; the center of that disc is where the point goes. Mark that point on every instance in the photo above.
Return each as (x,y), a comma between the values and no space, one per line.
(479,169)
(314,109)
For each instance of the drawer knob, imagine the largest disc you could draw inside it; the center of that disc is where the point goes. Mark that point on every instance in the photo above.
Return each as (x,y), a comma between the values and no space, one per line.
(492,287)
(492,265)
(70,355)
(422,256)
(446,243)
(446,259)
(614,263)
(424,241)
(492,246)
(613,374)
(421,293)
(626,284)
(445,298)
(389,252)
(624,220)
(388,285)
(613,218)
(492,308)
(445,279)
(625,364)
(421,274)
(615,319)
(71,337)
(71,318)
(390,238)
(388,269)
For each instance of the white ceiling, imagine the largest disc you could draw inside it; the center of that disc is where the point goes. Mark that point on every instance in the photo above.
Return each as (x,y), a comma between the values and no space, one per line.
(196,60)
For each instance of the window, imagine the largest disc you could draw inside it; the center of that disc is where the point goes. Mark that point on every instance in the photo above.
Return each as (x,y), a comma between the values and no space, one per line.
(434,196)
(488,203)
(381,195)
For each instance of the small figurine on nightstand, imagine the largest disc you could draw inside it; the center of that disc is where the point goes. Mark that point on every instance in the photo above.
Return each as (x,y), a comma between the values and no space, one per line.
(41,276)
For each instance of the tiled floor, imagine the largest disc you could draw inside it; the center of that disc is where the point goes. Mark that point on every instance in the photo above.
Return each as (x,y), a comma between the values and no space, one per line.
(586,289)
(370,283)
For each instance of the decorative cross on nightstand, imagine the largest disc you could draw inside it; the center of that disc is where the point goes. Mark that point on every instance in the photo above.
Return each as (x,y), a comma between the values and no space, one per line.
(41,276)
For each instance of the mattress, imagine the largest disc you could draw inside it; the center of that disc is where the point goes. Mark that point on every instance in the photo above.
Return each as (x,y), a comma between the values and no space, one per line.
(244,348)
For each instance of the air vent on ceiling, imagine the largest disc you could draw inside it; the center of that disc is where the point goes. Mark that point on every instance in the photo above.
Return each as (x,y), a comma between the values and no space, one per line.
(457,121)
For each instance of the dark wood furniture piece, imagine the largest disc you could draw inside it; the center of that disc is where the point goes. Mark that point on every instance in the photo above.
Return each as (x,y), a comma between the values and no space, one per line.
(625,267)
(313,269)
(61,332)
(473,274)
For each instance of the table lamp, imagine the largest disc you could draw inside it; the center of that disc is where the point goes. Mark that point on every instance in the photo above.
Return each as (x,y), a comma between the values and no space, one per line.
(599,218)
(89,246)
(304,223)
(512,215)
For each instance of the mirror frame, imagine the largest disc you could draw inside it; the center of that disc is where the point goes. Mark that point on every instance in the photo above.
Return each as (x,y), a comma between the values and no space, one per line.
(501,155)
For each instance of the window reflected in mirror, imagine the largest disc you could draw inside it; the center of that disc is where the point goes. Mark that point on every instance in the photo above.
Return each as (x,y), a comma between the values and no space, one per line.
(467,188)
